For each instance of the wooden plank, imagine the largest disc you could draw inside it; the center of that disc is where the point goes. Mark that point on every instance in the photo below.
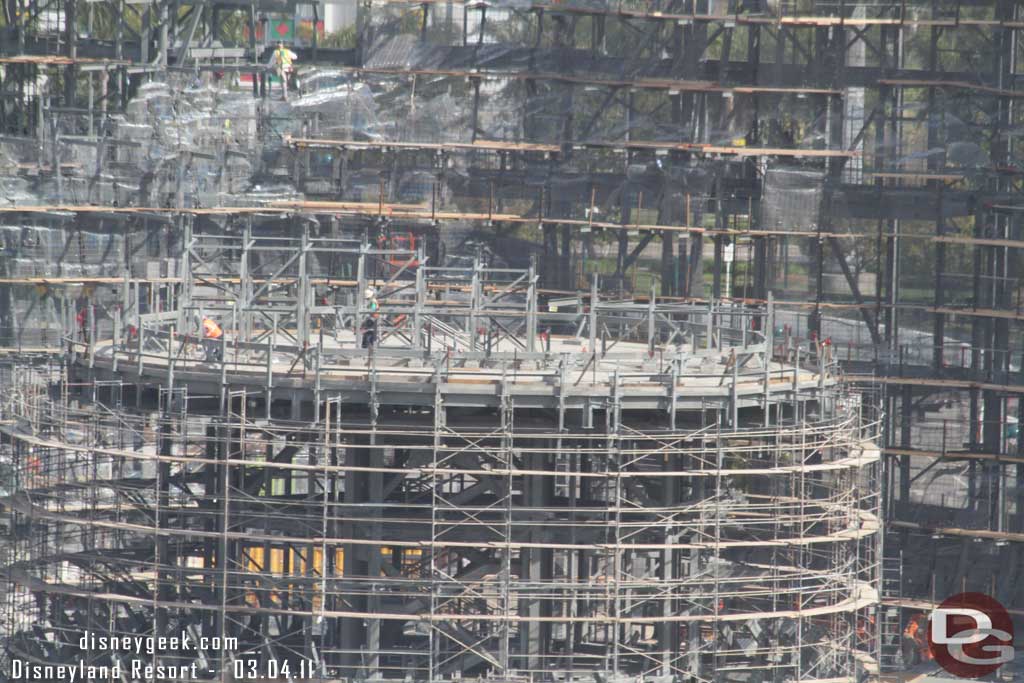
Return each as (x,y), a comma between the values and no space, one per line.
(955,531)
(420,212)
(616,146)
(896,175)
(797,21)
(953,455)
(486,145)
(415,212)
(937,383)
(373,207)
(981,241)
(17,350)
(962,85)
(57,60)
(977,312)
(46,168)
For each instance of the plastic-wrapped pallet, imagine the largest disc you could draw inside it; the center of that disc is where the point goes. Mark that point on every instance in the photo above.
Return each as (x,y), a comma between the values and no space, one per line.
(792,198)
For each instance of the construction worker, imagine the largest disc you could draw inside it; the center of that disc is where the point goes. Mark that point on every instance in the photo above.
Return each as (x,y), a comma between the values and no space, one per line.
(915,640)
(82,319)
(865,630)
(369,326)
(212,340)
(282,62)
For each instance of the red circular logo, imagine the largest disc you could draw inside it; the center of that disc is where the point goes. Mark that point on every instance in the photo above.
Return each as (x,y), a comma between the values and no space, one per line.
(970,635)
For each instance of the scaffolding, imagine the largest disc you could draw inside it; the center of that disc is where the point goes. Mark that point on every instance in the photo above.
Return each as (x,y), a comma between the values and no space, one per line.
(646,488)
(668,166)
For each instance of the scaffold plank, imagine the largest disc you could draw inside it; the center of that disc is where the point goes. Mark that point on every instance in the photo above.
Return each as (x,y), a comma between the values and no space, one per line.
(959,85)
(936,383)
(631,11)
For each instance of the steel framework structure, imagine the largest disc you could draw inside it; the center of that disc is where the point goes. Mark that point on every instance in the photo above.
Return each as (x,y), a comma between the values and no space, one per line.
(679,124)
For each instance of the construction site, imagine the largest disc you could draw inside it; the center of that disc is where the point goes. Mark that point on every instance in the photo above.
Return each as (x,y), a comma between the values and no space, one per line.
(611,341)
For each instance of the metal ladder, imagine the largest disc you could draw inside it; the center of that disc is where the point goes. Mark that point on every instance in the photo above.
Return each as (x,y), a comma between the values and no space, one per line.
(890,651)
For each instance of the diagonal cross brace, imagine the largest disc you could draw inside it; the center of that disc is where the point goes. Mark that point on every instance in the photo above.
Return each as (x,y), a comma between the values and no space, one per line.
(869,319)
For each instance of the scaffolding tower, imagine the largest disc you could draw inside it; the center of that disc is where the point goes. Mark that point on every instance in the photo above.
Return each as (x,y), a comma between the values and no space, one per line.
(650,489)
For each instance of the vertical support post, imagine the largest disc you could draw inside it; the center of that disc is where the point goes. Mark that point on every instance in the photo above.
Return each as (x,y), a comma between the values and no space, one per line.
(906,415)
(592,320)
(651,326)
(245,285)
(304,292)
(668,263)
(254,58)
(188,243)
(361,284)
(421,300)
(716,281)
(531,309)
(145,35)
(71,39)
(474,306)
(165,19)
(769,345)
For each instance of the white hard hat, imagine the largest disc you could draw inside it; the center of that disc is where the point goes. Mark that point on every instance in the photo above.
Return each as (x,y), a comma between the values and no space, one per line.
(370,293)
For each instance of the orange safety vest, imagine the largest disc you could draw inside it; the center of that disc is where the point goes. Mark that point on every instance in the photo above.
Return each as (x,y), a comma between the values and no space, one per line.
(211,330)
